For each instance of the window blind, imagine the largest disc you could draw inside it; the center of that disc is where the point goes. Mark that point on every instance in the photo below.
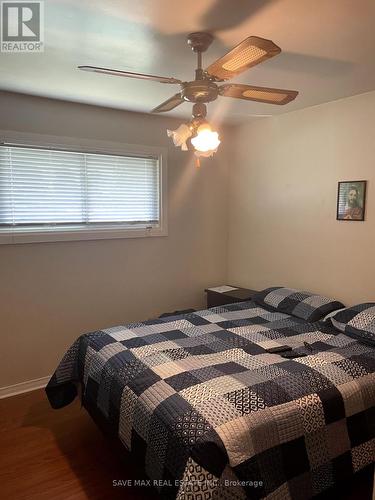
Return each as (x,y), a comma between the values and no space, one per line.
(46,188)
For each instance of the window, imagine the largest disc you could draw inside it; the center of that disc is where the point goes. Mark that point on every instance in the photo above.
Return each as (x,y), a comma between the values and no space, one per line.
(45,192)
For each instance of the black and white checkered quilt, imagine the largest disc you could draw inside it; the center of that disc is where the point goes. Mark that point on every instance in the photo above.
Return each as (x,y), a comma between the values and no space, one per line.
(213,415)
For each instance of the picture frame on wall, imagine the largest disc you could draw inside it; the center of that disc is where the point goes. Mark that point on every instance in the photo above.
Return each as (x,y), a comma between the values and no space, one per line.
(351,200)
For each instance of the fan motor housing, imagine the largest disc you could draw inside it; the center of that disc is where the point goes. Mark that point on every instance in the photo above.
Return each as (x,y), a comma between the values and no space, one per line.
(200,41)
(199,91)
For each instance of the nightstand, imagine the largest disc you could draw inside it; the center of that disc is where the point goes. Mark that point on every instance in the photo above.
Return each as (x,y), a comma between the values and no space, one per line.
(220,295)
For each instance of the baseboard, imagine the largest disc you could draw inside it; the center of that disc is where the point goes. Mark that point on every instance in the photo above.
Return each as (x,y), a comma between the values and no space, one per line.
(29,385)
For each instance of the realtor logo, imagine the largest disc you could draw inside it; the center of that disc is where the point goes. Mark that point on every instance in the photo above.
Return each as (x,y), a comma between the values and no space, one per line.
(22,26)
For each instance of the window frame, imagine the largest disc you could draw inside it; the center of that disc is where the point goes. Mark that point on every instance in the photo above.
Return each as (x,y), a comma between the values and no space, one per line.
(32,235)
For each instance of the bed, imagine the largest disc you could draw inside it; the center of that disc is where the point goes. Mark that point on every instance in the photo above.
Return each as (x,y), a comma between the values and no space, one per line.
(211,413)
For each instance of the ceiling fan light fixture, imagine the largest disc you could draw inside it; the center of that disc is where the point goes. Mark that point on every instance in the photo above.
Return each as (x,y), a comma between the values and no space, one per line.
(198,134)
(180,136)
(206,140)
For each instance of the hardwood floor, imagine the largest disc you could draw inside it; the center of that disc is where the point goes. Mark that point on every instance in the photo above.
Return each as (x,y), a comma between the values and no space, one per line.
(50,454)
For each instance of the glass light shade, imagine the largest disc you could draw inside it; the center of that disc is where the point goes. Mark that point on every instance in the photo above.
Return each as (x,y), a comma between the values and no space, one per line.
(206,140)
(180,136)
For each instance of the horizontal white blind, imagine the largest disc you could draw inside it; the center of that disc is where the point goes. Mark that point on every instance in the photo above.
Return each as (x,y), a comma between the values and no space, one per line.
(49,188)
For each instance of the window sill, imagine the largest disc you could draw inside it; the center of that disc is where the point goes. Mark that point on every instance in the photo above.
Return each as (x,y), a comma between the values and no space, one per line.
(34,236)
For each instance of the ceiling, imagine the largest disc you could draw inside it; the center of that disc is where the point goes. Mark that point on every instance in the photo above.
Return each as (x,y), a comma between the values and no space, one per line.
(327,51)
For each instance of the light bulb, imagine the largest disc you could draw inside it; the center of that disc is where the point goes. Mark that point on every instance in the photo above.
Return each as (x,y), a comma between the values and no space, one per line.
(206,140)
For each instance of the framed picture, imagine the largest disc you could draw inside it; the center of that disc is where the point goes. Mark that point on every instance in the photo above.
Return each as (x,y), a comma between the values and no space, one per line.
(351,200)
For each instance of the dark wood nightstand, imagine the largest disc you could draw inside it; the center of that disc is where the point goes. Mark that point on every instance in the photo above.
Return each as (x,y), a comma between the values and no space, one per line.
(216,297)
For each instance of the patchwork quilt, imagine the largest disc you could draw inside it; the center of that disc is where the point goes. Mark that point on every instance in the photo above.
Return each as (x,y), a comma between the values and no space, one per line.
(211,414)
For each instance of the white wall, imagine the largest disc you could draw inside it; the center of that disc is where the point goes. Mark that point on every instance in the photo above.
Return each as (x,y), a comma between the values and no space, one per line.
(282,218)
(52,292)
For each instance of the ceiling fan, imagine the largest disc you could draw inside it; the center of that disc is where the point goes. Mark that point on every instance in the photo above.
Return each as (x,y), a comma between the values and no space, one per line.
(204,88)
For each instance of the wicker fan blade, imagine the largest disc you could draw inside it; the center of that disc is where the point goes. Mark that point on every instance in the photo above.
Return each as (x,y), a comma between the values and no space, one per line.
(259,94)
(251,51)
(169,104)
(128,74)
